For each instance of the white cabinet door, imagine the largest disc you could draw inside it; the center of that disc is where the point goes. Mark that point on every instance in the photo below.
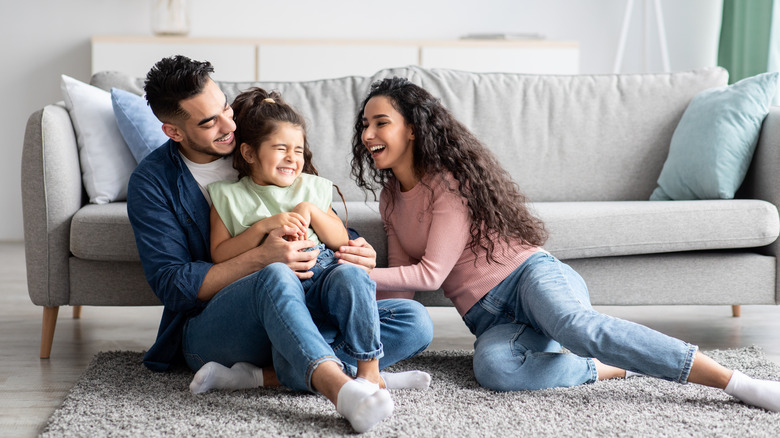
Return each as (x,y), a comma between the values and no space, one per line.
(304,62)
(301,60)
(232,62)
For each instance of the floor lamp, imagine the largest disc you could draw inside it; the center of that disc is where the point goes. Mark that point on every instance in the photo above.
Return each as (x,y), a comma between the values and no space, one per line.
(659,22)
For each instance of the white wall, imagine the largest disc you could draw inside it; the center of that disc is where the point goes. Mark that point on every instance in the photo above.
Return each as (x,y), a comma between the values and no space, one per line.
(45,38)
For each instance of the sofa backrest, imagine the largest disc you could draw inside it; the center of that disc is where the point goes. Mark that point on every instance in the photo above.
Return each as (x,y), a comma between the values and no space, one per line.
(329,107)
(572,138)
(562,138)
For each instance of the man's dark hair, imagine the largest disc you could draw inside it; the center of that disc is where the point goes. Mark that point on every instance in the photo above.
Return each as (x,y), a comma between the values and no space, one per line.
(172,80)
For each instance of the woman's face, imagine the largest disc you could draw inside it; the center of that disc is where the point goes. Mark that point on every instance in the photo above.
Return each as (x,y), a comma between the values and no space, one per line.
(279,158)
(387,136)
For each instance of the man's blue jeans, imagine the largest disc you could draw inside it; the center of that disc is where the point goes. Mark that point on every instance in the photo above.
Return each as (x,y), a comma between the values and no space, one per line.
(544,304)
(266,319)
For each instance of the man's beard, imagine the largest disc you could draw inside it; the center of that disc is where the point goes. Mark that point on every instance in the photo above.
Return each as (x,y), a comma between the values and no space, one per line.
(213,153)
(218,155)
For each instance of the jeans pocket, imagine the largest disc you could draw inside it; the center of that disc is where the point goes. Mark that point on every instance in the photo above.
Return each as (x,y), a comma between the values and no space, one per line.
(496,304)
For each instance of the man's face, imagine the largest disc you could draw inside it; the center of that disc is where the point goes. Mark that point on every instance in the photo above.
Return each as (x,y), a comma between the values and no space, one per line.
(208,133)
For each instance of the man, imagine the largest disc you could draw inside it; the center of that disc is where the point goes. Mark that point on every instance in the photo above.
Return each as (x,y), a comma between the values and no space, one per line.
(244,310)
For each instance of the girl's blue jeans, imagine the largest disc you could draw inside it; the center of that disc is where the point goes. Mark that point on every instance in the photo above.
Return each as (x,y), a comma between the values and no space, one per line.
(267,319)
(522,323)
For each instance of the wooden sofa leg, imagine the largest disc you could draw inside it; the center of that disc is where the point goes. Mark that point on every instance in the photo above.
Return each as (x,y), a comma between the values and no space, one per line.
(736,311)
(47,332)
(76,312)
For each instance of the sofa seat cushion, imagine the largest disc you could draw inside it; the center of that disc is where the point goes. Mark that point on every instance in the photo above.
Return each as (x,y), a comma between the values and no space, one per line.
(577,229)
(601,229)
(103,232)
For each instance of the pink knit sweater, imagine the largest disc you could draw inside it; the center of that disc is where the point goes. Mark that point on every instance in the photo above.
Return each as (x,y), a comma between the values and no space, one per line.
(427,246)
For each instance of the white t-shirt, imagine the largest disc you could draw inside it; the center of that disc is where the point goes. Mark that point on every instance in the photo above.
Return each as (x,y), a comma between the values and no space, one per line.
(205,174)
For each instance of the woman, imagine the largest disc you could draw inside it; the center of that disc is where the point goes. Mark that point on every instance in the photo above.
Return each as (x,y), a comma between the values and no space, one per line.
(456,220)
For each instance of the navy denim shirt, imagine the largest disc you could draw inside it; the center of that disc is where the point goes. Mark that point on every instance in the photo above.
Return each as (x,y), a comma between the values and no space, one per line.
(170,219)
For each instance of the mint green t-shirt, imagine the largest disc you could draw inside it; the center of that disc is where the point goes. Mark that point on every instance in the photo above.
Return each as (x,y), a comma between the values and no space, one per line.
(240,204)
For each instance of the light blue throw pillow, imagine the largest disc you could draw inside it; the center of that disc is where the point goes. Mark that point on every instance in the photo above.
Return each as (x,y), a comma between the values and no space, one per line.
(713,144)
(140,128)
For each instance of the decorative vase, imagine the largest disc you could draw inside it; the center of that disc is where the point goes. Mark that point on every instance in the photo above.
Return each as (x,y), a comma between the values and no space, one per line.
(170,17)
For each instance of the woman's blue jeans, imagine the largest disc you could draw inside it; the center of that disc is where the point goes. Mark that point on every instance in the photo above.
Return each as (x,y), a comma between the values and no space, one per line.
(522,323)
(267,319)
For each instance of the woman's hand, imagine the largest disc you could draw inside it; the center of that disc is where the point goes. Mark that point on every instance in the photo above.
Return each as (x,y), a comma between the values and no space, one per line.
(359,253)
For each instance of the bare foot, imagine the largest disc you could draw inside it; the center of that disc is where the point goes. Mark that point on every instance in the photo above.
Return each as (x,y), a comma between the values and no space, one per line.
(606,372)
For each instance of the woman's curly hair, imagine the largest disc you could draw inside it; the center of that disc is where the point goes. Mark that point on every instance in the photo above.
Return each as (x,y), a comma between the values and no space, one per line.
(442,144)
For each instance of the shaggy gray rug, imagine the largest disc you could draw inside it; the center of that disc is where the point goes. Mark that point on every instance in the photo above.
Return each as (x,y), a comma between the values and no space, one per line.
(118,397)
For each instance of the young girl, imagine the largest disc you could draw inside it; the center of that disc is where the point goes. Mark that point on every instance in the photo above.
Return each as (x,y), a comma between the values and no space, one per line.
(278,187)
(456,220)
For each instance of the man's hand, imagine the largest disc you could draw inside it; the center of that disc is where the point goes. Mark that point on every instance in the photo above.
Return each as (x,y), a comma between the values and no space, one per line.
(277,249)
(359,253)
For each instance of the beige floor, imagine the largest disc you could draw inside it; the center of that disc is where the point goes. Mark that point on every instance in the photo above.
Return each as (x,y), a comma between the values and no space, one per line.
(31,388)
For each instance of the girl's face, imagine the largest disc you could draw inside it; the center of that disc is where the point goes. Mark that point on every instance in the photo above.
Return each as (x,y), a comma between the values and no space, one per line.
(279,158)
(387,136)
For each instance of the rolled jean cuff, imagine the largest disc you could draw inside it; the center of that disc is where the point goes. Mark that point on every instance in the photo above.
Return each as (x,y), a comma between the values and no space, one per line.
(594,374)
(313,366)
(688,364)
(376,354)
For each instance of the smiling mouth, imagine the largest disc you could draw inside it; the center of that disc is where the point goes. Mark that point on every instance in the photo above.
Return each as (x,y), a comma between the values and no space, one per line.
(286,170)
(376,149)
(227,138)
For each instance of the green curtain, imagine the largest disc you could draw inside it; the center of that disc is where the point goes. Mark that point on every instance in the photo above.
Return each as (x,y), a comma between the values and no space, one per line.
(745,37)
(774,43)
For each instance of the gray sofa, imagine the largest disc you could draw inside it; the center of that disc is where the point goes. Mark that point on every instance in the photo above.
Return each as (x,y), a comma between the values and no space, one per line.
(587,150)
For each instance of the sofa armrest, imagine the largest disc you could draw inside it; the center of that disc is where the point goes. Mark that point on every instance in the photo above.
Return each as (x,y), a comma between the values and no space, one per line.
(51,194)
(763,178)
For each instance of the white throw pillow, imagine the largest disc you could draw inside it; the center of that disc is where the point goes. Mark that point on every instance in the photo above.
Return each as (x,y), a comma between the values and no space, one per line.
(106,161)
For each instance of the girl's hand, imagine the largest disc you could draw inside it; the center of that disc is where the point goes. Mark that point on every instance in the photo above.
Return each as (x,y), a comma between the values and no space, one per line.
(305,209)
(289,220)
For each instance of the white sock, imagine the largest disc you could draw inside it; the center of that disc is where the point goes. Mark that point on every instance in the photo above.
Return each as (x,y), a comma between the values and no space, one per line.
(762,393)
(213,375)
(364,404)
(632,374)
(406,380)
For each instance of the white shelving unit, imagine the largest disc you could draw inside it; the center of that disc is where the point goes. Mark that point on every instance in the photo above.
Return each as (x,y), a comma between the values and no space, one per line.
(242,59)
